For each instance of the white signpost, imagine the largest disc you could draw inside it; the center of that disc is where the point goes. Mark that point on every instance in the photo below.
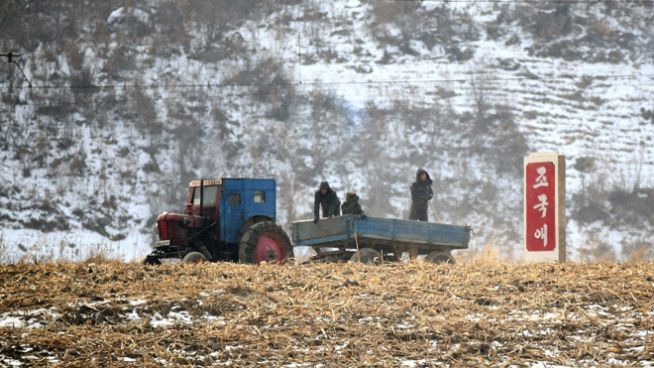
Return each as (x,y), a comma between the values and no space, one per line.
(544,207)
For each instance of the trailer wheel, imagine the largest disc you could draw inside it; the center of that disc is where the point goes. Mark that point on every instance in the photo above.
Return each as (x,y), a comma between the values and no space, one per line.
(367,256)
(264,242)
(194,257)
(440,257)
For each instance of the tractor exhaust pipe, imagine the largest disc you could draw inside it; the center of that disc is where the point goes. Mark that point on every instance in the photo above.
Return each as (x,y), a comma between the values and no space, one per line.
(201,196)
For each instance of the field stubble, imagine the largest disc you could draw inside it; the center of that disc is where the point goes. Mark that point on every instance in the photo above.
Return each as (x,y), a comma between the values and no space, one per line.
(414,314)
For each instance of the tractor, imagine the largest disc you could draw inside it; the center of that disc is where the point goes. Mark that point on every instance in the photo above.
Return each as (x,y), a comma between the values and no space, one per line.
(224,219)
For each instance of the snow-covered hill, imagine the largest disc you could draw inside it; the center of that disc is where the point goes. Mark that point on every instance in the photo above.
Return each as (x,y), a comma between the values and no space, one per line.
(131,100)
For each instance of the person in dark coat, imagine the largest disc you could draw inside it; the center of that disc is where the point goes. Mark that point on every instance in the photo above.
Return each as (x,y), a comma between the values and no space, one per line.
(326,199)
(421,194)
(351,204)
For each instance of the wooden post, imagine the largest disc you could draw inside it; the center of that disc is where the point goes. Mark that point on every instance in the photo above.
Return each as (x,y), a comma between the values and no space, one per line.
(433,209)
(356,241)
(544,207)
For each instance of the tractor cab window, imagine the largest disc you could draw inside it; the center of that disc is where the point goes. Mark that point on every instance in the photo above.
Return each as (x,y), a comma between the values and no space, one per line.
(259,197)
(209,194)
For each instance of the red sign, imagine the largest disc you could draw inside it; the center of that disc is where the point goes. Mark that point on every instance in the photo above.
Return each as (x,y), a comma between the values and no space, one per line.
(540,199)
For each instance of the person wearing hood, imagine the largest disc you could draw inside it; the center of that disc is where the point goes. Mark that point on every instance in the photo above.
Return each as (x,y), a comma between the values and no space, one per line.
(421,194)
(326,199)
(351,205)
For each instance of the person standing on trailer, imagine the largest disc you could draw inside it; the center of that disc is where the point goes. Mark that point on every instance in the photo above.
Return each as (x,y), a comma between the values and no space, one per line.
(351,205)
(327,200)
(421,194)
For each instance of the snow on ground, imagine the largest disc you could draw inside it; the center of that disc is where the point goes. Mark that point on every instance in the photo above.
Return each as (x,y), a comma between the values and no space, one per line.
(71,245)
(411,314)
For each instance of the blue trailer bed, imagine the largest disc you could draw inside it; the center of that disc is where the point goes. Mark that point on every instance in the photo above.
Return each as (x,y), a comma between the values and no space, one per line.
(389,237)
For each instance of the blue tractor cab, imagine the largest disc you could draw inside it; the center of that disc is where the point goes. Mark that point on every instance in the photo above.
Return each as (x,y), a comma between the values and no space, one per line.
(224,219)
(243,201)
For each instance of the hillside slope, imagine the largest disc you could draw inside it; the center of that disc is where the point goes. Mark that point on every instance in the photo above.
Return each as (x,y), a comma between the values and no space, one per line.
(130,101)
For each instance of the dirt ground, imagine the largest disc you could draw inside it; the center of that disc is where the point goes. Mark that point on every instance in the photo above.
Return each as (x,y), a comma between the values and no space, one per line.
(327,315)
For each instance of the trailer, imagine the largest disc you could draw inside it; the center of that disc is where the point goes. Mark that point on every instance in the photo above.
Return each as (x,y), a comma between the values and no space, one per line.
(374,240)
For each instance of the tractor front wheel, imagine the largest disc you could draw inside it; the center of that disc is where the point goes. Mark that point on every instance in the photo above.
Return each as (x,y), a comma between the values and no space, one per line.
(151,261)
(264,242)
(194,257)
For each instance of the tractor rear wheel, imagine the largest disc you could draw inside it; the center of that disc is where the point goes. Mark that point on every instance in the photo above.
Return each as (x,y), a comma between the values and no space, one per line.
(440,257)
(264,242)
(367,256)
(194,257)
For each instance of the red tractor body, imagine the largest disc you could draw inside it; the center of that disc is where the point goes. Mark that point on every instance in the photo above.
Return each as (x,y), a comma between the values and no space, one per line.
(223,220)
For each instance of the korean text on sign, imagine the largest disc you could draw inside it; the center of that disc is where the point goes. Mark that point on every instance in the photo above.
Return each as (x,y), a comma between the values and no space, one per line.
(540,194)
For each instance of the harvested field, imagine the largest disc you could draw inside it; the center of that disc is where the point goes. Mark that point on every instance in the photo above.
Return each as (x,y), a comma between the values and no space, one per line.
(327,315)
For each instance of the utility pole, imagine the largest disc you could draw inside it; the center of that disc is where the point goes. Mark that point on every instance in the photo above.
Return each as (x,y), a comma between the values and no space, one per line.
(11,59)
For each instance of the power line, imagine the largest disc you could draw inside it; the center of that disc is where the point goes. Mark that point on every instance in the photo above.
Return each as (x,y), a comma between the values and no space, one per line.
(208,98)
(530,1)
(327,83)
(11,59)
